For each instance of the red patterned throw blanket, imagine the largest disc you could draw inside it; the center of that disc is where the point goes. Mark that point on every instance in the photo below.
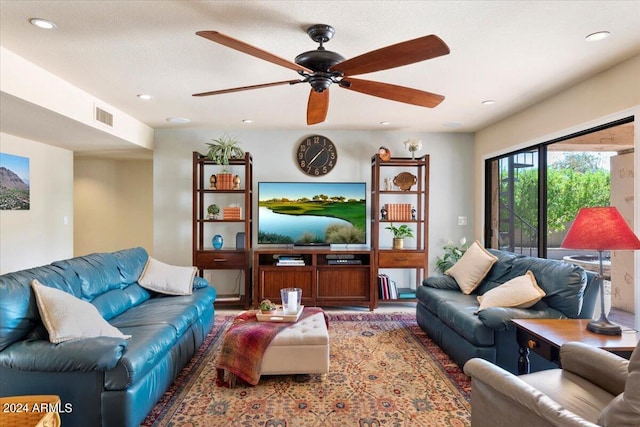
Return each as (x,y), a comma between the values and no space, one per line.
(244,345)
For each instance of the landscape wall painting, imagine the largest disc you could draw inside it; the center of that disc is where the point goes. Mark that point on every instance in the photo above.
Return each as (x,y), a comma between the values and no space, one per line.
(14,182)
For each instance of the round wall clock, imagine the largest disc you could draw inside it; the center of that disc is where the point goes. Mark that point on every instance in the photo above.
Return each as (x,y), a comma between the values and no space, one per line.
(317,155)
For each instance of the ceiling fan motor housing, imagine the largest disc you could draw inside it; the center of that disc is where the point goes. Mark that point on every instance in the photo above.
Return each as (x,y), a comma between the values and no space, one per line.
(320,61)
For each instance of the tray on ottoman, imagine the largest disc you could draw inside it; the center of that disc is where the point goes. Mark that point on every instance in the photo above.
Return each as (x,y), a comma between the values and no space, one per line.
(279,316)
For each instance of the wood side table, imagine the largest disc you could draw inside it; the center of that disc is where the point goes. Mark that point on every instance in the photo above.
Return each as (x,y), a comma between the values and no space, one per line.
(30,411)
(546,336)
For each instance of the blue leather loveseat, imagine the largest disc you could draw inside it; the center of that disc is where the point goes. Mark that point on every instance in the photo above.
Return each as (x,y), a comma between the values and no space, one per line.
(111,382)
(451,318)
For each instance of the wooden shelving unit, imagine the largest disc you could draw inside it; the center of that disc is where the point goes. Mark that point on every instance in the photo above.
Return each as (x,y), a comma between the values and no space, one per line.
(413,257)
(230,256)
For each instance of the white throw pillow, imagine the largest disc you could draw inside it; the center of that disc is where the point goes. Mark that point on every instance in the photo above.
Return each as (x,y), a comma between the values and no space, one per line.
(472,267)
(520,292)
(167,279)
(69,318)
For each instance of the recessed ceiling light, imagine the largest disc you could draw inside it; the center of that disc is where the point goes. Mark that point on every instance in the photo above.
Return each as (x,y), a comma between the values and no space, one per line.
(43,23)
(385,123)
(144,96)
(178,120)
(600,35)
(247,121)
(489,102)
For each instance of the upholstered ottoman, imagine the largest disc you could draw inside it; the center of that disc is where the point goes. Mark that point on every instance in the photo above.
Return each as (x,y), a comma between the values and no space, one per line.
(302,348)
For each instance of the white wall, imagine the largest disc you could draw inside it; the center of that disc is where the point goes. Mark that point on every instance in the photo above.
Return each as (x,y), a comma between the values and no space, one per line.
(44,233)
(113,206)
(27,81)
(451,194)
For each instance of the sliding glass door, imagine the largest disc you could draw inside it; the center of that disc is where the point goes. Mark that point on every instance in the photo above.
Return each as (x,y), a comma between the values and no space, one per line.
(515,203)
(533,195)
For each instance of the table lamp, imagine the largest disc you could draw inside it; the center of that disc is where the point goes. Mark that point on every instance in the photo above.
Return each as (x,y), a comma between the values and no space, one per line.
(601,229)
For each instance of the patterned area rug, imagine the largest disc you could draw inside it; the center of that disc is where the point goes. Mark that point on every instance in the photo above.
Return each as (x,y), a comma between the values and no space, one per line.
(384,371)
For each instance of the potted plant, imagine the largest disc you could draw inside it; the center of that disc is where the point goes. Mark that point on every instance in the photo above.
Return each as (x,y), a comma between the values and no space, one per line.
(213,211)
(267,307)
(220,151)
(399,233)
(452,254)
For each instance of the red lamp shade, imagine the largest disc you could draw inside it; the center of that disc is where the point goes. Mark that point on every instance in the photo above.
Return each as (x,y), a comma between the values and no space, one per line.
(601,228)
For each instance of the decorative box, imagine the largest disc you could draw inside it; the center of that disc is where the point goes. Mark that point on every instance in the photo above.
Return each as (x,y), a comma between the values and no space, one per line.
(232,212)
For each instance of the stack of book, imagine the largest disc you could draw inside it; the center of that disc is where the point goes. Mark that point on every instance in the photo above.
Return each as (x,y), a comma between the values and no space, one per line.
(388,290)
(292,260)
(398,211)
(232,212)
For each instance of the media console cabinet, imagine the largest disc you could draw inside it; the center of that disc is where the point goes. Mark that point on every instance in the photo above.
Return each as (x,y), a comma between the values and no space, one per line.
(327,277)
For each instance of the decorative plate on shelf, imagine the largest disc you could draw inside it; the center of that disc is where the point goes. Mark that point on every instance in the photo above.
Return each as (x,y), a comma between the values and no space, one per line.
(405,180)
(385,153)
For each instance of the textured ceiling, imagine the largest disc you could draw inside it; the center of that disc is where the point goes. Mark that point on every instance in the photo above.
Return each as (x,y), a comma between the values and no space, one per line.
(515,52)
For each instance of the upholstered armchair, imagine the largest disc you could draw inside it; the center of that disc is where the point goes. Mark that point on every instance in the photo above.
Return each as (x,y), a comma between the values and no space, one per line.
(593,388)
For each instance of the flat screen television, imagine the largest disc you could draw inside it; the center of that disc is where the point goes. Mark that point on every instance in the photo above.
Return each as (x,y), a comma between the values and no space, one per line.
(312,213)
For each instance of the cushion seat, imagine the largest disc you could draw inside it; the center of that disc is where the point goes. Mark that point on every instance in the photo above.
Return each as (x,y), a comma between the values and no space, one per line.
(157,311)
(146,347)
(457,311)
(302,348)
(461,317)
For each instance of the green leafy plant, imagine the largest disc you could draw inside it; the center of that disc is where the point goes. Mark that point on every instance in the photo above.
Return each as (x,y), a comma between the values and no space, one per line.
(223,149)
(400,232)
(267,305)
(213,209)
(452,254)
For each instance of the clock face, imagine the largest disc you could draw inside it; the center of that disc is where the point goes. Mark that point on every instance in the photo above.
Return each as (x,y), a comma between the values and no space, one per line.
(317,155)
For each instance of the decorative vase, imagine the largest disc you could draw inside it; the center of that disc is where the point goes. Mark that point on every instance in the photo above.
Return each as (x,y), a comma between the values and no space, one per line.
(398,243)
(217,242)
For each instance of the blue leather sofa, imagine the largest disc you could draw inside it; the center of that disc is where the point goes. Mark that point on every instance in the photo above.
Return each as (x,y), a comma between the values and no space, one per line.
(449,317)
(109,382)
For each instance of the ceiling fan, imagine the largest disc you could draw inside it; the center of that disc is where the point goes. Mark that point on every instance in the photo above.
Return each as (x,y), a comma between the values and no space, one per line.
(321,68)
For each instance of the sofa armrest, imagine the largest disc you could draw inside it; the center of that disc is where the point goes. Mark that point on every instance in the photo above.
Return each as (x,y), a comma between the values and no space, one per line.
(441,282)
(500,398)
(602,368)
(85,355)
(499,318)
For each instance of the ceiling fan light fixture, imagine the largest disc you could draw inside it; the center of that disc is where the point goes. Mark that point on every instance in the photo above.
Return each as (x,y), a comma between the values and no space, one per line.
(597,36)
(45,24)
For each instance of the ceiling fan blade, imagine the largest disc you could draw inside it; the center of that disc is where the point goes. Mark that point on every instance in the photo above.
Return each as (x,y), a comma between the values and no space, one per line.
(317,107)
(396,55)
(393,92)
(236,44)
(238,89)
